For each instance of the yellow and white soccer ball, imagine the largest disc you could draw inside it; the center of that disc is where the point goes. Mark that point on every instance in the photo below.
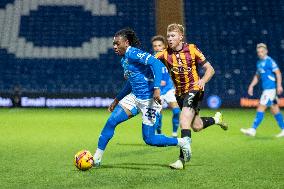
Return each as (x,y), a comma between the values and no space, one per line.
(83,160)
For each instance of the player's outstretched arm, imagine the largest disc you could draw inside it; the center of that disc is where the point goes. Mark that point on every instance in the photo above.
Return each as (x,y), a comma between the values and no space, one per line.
(279,81)
(209,72)
(252,84)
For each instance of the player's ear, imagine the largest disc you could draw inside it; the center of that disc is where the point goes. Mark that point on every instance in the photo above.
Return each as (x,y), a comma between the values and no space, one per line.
(181,37)
(127,42)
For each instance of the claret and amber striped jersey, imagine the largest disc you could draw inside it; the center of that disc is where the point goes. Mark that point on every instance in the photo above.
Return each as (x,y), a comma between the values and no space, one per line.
(183,67)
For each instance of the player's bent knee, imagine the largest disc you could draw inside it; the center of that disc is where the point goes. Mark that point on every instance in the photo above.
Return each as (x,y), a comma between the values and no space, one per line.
(274,109)
(111,121)
(148,140)
(150,137)
(261,108)
(108,130)
(196,127)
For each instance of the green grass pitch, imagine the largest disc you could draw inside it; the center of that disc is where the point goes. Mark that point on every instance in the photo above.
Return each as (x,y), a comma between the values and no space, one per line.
(37,147)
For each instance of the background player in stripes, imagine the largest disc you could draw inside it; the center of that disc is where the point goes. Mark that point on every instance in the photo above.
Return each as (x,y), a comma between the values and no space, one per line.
(167,88)
(182,61)
(269,74)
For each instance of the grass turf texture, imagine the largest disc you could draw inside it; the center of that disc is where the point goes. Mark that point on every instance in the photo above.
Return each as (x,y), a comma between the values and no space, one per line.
(37,147)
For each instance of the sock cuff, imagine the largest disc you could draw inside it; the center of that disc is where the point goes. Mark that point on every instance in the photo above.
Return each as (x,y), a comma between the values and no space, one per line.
(185,133)
(100,151)
(260,113)
(278,114)
(176,110)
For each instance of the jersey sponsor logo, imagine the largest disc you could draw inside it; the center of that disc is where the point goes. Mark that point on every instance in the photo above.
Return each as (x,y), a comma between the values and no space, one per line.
(22,48)
(180,69)
(141,55)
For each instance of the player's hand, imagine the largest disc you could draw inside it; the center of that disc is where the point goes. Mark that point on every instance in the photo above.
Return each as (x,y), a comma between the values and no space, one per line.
(279,90)
(157,95)
(201,84)
(250,90)
(113,105)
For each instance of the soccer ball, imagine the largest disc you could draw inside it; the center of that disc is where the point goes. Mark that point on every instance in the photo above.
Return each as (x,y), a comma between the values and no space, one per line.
(83,160)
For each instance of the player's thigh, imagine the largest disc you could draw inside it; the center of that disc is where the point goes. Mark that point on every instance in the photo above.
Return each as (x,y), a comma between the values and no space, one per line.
(128,103)
(170,97)
(190,107)
(150,111)
(127,111)
(268,98)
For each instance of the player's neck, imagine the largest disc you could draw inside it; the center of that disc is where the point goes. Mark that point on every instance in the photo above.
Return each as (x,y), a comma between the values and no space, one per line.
(265,57)
(179,47)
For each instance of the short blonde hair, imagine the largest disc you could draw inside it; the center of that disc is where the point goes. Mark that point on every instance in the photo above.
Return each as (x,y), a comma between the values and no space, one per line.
(175,27)
(261,45)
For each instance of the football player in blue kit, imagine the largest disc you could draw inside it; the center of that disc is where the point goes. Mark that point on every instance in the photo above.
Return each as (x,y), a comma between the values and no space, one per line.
(167,88)
(269,74)
(142,89)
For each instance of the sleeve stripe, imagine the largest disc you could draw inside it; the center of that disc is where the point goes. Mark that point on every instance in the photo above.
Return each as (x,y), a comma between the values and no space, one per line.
(275,69)
(203,62)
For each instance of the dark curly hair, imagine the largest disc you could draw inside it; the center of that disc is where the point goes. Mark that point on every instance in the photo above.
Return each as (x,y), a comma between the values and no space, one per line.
(130,35)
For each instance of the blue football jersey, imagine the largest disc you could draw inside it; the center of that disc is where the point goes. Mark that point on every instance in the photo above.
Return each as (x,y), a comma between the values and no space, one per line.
(167,78)
(265,70)
(138,72)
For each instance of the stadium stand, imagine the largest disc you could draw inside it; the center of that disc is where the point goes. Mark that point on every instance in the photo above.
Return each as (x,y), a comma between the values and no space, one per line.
(227,32)
(64,47)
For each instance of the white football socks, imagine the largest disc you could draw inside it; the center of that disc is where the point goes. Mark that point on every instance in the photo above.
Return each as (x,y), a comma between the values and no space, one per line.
(98,154)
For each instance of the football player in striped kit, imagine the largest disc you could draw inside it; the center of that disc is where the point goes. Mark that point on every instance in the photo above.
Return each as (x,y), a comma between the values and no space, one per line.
(182,61)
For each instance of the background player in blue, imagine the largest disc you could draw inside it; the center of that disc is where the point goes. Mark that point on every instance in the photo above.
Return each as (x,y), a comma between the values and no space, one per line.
(144,90)
(167,88)
(270,76)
